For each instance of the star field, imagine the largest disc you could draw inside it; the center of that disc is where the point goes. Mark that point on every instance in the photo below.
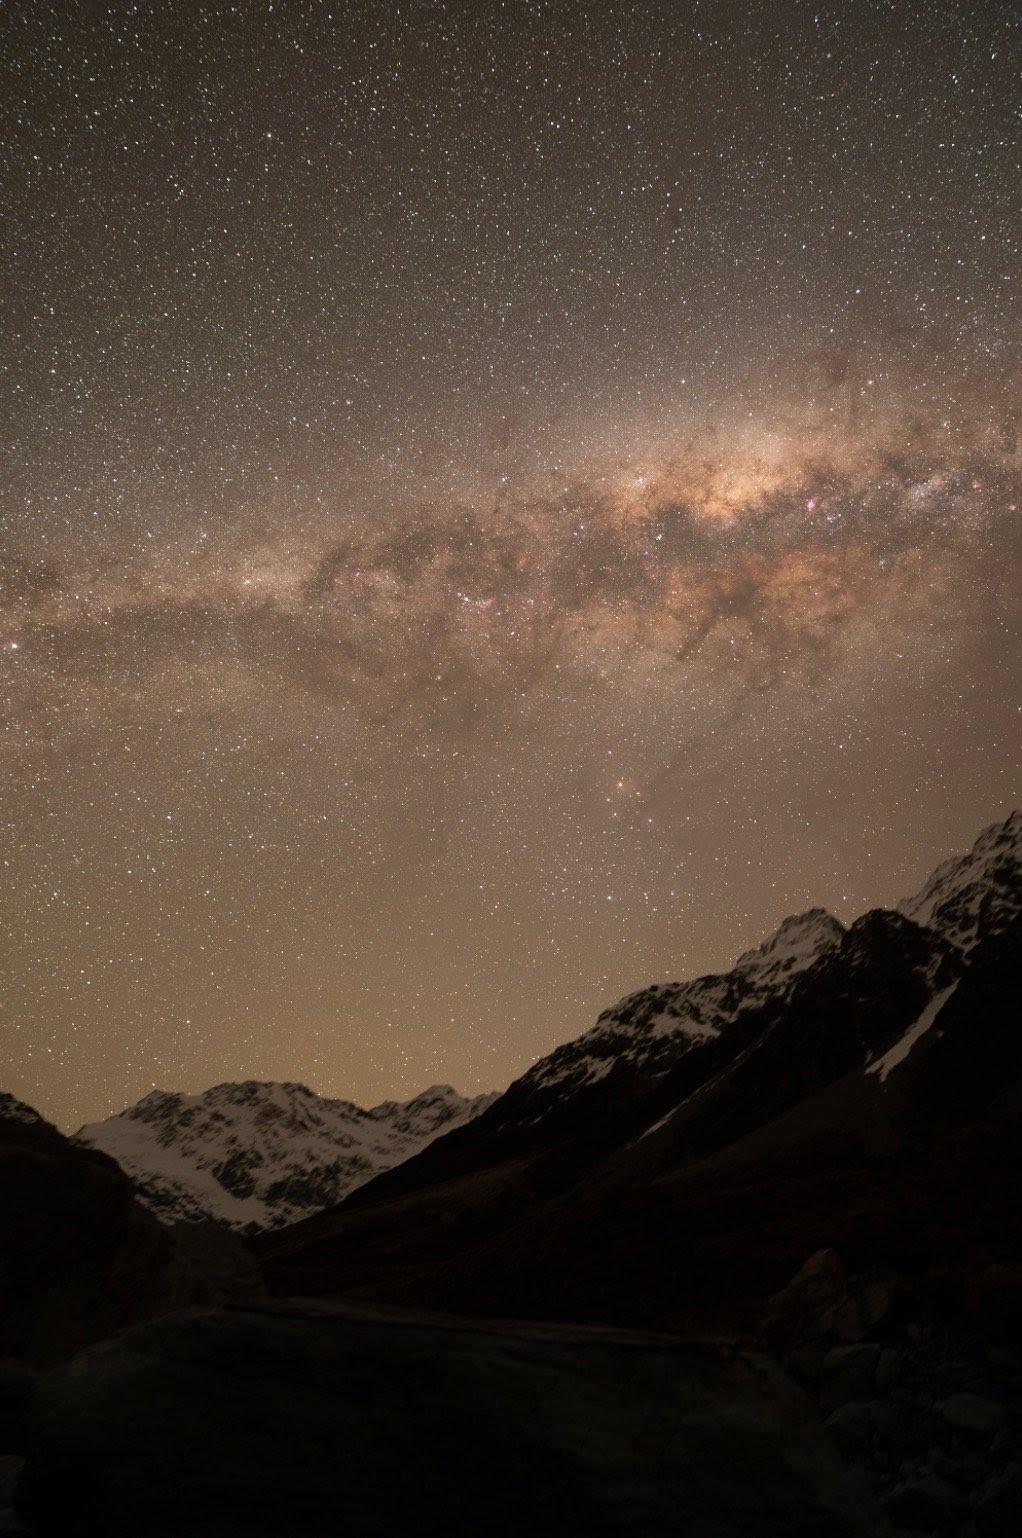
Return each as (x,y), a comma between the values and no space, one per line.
(500,503)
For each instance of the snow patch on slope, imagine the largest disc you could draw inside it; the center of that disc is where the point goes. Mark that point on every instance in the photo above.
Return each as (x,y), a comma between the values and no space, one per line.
(901,1049)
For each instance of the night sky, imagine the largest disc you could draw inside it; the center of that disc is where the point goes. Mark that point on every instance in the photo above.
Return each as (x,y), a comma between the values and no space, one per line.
(499,504)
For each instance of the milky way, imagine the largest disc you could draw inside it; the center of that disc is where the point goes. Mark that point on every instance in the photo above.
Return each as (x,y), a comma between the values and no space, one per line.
(501,504)
(440,617)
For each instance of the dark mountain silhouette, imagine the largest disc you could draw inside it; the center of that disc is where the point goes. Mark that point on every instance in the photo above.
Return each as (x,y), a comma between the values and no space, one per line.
(676,1165)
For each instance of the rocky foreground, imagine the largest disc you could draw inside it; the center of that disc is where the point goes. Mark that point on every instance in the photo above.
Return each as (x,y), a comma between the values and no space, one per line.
(931,1416)
(314,1422)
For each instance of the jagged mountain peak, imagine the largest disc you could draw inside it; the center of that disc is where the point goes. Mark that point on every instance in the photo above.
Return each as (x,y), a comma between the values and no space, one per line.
(798,941)
(12,1109)
(974,893)
(239,1092)
(433,1093)
(891,926)
(1008,832)
(437,1095)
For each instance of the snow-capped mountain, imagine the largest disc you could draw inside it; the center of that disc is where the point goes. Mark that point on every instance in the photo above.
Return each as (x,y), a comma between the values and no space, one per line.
(723,1053)
(969,900)
(720,1129)
(255,1156)
(650,1030)
(975,893)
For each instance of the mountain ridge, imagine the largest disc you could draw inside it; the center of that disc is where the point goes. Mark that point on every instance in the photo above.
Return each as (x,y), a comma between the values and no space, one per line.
(510,1211)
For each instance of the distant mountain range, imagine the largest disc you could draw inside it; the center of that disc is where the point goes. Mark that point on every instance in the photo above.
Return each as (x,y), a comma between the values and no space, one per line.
(254,1156)
(692,1067)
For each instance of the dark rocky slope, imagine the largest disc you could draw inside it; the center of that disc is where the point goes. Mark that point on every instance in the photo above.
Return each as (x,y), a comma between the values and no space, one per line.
(81,1258)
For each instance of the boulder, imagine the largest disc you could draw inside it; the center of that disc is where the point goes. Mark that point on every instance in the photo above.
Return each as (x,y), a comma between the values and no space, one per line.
(850,1374)
(311,1421)
(972,1416)
(10,1473)
(890,1368)
(866,1304)
(812,1293)
(993,1298)
(930,1504)
(998,1512)
(850,1428)
(17,1388)
(822,1302)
